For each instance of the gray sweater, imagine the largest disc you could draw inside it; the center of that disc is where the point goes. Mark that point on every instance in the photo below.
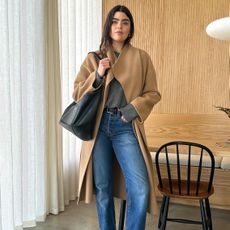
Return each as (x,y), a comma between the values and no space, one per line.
(117,98)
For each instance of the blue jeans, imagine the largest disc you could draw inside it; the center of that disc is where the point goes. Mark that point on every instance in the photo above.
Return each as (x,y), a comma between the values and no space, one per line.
(116,136)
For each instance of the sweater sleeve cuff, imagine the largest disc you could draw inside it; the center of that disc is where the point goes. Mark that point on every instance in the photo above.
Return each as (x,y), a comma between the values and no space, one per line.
(98,80)
(129,112)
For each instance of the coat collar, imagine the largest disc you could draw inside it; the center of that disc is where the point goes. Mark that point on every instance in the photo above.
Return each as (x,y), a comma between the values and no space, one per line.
(111,55)
(115,61)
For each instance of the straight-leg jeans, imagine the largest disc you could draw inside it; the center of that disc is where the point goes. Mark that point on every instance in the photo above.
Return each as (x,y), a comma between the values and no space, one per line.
(116,136)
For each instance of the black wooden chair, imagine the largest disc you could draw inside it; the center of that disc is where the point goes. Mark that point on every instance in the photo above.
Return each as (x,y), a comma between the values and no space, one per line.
(185,170)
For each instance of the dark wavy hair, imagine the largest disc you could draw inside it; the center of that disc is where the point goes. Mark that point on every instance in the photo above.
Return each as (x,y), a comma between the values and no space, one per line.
(106,40)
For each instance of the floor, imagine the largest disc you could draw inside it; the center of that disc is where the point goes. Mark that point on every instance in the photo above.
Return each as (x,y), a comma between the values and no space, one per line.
(84,217)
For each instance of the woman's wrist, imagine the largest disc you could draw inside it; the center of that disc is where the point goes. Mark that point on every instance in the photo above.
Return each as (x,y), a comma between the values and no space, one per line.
(100,76)
(100,73)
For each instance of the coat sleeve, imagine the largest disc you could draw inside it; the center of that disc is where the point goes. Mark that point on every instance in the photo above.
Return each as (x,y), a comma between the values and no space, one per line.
(149,95)
(84,81)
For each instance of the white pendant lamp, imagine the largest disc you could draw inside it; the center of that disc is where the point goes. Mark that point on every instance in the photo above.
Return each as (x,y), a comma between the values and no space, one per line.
(219,29)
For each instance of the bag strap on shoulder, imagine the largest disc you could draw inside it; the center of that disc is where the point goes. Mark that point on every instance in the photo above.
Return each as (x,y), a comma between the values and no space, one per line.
(97,57)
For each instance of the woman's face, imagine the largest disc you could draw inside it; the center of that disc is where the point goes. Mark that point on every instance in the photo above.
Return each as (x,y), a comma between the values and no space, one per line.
(120,28)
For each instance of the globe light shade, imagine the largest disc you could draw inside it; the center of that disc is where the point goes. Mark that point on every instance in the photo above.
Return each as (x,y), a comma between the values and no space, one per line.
(219,29)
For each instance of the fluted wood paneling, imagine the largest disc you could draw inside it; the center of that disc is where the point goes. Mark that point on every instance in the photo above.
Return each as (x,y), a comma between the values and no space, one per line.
(192,68)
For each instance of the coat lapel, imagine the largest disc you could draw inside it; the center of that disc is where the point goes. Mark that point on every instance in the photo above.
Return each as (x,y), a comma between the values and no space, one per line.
(115,62)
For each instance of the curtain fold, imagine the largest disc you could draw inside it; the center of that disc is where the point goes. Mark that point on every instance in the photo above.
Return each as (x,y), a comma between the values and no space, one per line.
(55,196)
(80,24)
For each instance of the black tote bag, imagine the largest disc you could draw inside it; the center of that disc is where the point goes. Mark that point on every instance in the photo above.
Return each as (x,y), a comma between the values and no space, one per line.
(80,117)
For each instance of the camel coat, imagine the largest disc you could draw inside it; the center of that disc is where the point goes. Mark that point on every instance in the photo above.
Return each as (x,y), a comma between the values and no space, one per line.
(135,72)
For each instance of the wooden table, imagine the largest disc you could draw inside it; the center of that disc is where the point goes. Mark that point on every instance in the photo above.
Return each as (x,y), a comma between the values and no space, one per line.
(212,130)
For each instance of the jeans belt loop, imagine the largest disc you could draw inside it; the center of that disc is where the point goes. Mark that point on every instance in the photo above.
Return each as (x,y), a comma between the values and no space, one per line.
(112,110)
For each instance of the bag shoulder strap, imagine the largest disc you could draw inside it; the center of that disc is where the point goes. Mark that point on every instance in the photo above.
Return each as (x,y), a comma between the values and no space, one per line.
(97,57)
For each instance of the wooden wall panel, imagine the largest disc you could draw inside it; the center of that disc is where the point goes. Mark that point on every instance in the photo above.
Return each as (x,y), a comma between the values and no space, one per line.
(192,68)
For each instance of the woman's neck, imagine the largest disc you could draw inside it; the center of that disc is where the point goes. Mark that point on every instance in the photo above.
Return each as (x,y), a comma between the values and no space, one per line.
(117,47)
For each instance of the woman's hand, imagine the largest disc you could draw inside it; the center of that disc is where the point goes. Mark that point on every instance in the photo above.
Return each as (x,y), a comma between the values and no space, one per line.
(104,64)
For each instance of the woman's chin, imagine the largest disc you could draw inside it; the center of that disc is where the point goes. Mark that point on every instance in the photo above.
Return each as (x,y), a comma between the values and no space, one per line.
(119,40)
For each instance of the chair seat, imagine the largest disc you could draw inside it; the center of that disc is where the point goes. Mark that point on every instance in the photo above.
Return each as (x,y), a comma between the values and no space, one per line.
(203,189)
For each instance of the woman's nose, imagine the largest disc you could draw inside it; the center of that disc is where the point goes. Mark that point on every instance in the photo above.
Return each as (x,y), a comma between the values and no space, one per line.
(119,25)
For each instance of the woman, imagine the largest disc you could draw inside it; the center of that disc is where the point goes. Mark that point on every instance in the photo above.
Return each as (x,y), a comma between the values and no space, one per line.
(130,92)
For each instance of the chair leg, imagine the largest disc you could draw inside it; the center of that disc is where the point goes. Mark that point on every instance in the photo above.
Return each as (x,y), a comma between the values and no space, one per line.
(165,214)
(208,211)
(203,215)
(161,211)
(122,214)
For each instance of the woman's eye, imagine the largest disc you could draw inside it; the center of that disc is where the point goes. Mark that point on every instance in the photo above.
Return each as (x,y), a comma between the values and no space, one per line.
(114,22)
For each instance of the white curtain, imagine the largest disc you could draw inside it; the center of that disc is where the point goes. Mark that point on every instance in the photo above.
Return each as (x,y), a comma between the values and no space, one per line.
(32,154)
(31,182)
(80,24)
(22,93)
